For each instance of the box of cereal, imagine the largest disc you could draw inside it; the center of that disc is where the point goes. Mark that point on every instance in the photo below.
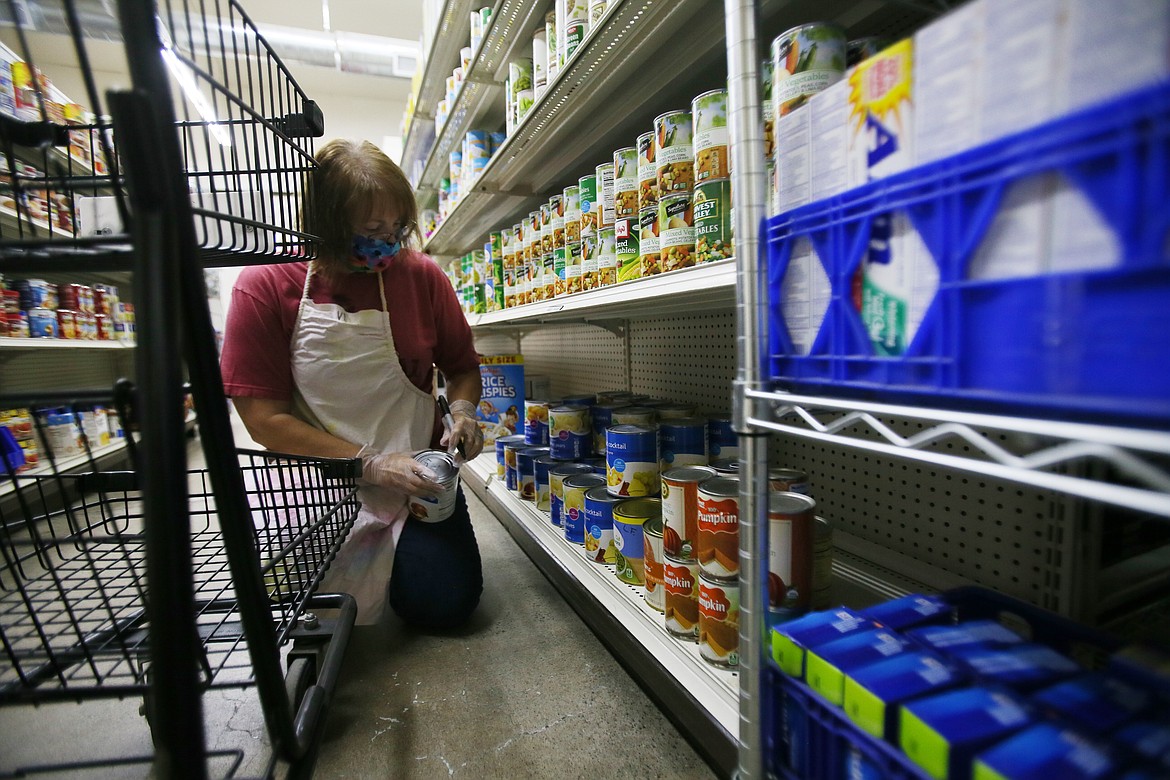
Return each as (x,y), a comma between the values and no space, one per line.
(502,396)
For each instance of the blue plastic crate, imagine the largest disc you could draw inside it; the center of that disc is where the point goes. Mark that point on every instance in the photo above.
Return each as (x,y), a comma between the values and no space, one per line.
(1088,345)
(808,738)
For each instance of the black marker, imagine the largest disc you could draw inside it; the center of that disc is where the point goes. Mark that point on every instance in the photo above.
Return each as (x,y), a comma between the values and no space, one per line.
(445,408)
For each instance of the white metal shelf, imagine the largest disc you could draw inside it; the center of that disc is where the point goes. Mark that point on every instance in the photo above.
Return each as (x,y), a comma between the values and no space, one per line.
(715,691)
(66,464)
(452,34)
(1139,457)
(643,57)
(25,344)
(707,287)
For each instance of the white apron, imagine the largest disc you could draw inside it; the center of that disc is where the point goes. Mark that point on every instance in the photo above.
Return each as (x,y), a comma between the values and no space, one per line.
(349,383)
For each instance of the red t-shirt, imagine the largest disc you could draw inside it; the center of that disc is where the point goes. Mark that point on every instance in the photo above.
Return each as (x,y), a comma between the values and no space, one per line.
(427,323)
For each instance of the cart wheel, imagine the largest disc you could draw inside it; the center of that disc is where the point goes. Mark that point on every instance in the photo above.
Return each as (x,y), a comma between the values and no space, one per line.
(297,680)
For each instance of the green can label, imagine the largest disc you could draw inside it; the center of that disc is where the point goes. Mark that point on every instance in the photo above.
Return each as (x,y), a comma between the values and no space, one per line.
(574,34)
(673,152)
(629,255)
(480,299)
(712,160)
(712,204)
(590,207)
(557,205)
(559,288)
(625,182)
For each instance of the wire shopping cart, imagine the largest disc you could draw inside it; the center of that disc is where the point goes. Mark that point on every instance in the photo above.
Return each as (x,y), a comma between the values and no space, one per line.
(139,576)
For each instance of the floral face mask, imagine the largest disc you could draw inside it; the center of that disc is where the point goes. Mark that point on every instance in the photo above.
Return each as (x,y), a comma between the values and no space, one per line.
(371,255)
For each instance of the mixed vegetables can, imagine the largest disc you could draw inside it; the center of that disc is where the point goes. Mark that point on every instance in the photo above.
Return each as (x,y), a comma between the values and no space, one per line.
(710,136)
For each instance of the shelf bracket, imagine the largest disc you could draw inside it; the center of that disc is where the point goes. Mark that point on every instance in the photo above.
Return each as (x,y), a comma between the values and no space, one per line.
(616,327)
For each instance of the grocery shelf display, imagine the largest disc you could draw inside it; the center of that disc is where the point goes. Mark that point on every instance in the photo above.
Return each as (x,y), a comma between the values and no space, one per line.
(925,490)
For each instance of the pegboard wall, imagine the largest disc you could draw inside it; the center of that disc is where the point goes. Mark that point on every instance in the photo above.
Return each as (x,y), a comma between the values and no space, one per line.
(1012,538)
(686,358)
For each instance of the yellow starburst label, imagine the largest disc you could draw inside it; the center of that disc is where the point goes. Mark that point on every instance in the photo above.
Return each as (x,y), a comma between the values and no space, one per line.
(880,86)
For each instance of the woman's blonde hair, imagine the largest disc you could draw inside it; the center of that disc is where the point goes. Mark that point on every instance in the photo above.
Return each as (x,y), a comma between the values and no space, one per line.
(353,180)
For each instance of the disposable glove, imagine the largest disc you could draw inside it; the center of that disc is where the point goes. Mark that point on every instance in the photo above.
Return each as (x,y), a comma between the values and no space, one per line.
(398,471)
(465,430)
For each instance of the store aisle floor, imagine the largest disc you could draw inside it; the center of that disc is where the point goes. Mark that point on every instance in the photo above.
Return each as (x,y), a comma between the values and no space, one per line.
(525,691)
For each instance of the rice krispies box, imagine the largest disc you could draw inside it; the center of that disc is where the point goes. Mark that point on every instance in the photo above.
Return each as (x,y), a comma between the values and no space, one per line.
(501,402)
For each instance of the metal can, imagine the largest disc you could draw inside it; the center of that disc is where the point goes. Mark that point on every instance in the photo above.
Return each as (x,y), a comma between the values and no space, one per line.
(670,410)
(607,267)
(556,488)
(590,259)
(625,182)
(67,324)
(546,228)
(726,466)
(627,250)
(570,432)
(582,399)
(601,416)
(652,559)
(590,203)
(676,230)
(722,440)
(437,508)
(105,328)
(560,268)
(631,459)
(526,471)
(861,49)
(557,211)
(571,198)
(604,179)
(548,277)
(710,138)
(629,519)
(680,581)
(597,10)
(648,242)
(599,541)
(536,422)
(822,587)
(713,226)
(806,60)
(517,441)
(680,509)
(717,547)
(42,323)
(784,480)
(719,621)
(541,467)
(635,415)
(791,528)
(647,172)
(573,491)
(674,152)
(682,442)
(767,108)
(574,268)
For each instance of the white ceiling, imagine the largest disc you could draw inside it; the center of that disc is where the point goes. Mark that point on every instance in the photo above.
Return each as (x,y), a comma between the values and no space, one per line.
(391,18)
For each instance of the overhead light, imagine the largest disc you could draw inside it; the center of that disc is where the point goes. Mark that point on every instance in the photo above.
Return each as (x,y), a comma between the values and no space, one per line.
(187,83)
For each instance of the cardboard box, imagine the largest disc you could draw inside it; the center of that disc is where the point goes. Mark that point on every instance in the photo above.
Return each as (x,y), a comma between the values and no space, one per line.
(909,612)
(1022,667)
(943,733)
(1097,703)
(873,694)
(973,633)
(826,667)
(1045,752)
(501,401)
(881,115)
(948,74)
(791,641)
(829,119)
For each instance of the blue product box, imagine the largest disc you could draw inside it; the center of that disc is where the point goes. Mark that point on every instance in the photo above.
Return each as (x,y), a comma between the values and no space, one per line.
(1149,739)
(1045,752)
(827,666)
(874,693)
(910,611)
(1023,667)
(501,404)
(942,734)
(791,640)
(796,730)
(1146,666)
(1097,703)
(973,633)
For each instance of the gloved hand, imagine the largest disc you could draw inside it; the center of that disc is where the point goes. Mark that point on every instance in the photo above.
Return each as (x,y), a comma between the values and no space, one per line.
(466,430)
(398,471)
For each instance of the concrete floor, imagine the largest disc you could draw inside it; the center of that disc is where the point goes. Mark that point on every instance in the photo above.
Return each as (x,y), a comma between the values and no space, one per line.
(526,690)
